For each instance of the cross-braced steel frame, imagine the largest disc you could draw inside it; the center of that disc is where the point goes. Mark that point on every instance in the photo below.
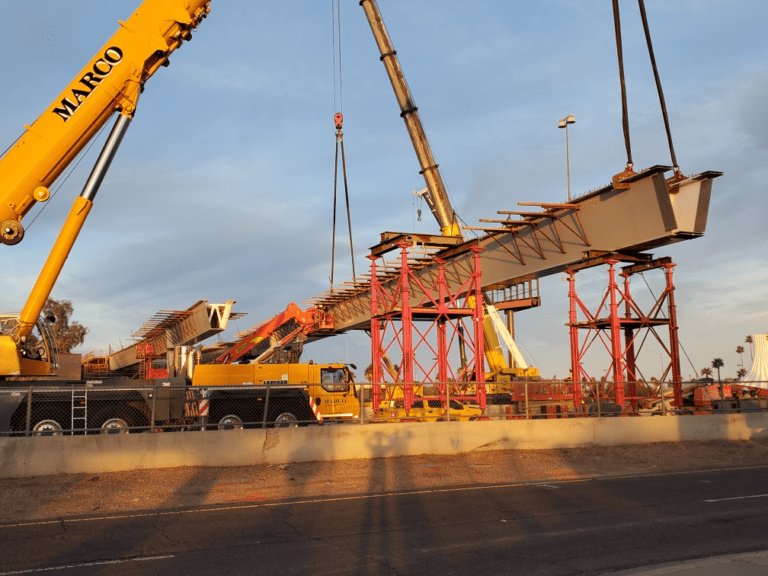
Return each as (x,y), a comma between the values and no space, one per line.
(624,331)
(440,323)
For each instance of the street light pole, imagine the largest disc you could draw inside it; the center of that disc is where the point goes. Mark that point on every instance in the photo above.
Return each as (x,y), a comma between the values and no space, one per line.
(661,361)
(570,119)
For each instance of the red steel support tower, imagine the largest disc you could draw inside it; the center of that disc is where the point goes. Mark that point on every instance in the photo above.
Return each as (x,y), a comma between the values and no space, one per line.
(427,317)
(633,324)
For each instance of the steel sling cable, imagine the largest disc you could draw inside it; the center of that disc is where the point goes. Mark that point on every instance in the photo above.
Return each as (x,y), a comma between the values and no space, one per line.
(624,112)
(336,159)
(349,216)
(341,140)
(335,183)
(338,120)
(641,3)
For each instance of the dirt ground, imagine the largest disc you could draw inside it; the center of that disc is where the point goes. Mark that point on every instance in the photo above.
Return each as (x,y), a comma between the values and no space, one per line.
(64,496)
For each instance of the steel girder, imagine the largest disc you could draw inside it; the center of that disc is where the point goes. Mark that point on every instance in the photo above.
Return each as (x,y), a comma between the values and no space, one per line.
(642,212)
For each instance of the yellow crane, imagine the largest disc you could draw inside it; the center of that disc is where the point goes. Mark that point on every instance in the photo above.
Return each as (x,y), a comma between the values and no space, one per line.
(436,196)
(110,83)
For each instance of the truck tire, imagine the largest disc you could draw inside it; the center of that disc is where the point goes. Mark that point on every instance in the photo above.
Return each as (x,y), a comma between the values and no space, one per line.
(47,427)
(117,420)
(114,425)
(230,422)
(286,420)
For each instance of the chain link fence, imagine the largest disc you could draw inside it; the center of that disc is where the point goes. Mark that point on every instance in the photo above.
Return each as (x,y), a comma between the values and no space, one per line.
(55,411)
(532,399)
(154,407)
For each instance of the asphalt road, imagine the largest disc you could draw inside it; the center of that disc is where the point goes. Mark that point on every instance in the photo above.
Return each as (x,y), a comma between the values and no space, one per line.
(585,526)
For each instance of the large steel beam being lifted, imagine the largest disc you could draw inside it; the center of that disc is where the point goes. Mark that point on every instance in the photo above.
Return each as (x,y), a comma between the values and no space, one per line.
(641,212)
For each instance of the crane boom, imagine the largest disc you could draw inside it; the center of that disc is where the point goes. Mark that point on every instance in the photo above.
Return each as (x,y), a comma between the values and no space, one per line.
(110,82)
(437,197)
(435,194)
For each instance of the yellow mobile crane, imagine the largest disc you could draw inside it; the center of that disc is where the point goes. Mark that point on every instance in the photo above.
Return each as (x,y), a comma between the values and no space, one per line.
(436,198)
(111,82)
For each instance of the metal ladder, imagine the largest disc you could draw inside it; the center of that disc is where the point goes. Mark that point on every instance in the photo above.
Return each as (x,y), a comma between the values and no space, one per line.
(79,409)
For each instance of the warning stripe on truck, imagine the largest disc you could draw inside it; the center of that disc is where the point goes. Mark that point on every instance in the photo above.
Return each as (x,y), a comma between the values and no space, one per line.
(315,410)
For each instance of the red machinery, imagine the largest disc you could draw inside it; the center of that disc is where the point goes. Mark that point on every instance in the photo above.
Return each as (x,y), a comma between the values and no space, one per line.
(283,331)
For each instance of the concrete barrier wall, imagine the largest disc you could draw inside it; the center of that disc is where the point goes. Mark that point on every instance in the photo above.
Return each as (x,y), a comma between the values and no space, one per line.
(26,457)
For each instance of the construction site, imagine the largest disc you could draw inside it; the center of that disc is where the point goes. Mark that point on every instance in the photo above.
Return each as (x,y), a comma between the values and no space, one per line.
(437,308)
(376,352)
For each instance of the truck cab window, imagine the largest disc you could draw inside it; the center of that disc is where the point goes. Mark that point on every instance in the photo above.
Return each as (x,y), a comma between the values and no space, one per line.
(334,380)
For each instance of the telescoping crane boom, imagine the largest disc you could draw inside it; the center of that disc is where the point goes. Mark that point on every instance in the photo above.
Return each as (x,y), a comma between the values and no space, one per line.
(435,193)
(111,82)
(436,196)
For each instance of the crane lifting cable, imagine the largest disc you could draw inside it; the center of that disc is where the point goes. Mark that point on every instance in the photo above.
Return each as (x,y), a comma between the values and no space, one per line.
(624,110)
(338,120)
(663,104)
(336,22)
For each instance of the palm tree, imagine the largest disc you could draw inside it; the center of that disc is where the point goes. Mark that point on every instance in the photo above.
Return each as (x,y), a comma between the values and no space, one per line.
(748,340)
(740,352)
(718,363)
(706,372)
(741,373)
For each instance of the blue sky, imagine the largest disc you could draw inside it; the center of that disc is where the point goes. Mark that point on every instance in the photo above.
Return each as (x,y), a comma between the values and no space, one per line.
(223,186)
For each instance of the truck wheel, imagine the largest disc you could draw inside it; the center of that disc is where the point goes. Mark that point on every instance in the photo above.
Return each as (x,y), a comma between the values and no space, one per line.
(230,422)
(286,420)
(115,425)
(47,428)
(116,421)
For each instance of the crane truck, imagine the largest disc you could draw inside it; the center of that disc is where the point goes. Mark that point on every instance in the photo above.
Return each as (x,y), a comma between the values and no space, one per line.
(109,85)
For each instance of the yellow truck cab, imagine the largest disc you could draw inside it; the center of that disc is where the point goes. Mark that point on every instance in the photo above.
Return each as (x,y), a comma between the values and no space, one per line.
(329,386)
